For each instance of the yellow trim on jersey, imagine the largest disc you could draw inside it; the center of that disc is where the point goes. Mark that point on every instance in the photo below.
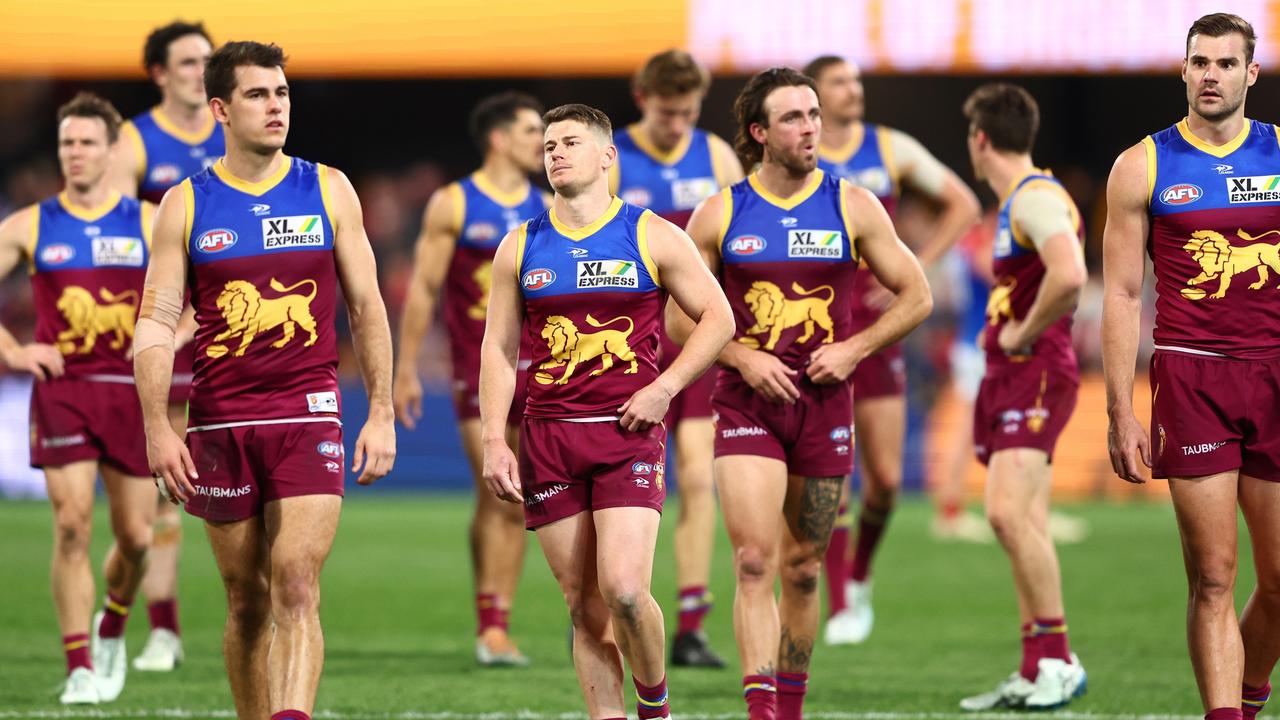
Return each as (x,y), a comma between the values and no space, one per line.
(522,234)
(34,239)
(671,157)
(494,193)
(848,150)
(189,207)
(1149,145)
(148,213)
(1019,236)
(322,174)
(810,187)
(642,244)
(845,187)
(726,216)
(128,129)
(1008,191)
(459,206)
(256,189)
(92,214)
(884,140)
(191,138)
(1218,151)
(576,234)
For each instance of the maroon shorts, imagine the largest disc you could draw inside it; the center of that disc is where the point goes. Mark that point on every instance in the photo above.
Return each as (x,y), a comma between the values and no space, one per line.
(74,419)
(244,467)
(812,436)
(694,402)
(571,467)
(1214,414)
(183,360)
(1022,405)
(466,394)
(883,374)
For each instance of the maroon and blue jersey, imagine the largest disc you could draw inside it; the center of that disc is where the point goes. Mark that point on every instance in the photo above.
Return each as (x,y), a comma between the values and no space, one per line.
(788,267)
(1215,241)
(1018,272)
(167,154)
(670,184)
(87,270)
(264,285)
(593,311)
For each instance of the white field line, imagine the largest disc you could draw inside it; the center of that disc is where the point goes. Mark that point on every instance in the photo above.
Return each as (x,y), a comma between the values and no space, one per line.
(184,714)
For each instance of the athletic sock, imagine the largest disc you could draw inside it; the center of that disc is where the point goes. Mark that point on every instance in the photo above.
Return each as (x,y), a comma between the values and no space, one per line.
(835,563)
(290,715)
(1030,666)
(114,614)
(871,525)
(488,614)
(164,615)
(1224,713)
(1052,636)
(791,689)
(1253,699)
(77,649)
(761,693)
(651,702)
(694,602)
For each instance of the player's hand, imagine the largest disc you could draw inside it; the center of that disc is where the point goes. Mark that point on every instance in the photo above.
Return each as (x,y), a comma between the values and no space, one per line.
(375,451)
(406,394)
(1127,443)
(170,463)
(1011,341)
(767,375)
(833,363)
(502,472)
(646,408)
(42,361)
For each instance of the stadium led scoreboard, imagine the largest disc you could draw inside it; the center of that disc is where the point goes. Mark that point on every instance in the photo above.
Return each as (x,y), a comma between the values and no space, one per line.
(460,38)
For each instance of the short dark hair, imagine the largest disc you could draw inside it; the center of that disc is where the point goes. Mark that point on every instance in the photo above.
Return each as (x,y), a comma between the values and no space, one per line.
(88,105)
(585,114)
(821,64)
(669,73)
(220,72)
(748,108)
(498,111)
(1007,114)
(156,50)
(1219,24)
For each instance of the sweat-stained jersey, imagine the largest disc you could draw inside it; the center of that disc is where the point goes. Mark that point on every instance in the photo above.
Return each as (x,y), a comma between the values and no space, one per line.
(87,271)
(593,310)
(264,285)
(1215,241)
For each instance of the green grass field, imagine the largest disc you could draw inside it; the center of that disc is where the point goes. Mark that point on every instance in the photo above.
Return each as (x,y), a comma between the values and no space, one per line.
(398,625)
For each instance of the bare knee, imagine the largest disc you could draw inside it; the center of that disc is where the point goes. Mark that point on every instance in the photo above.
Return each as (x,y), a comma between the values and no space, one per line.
(72,531)
(295,594)
(248,601)
(1212,582)
(753,565)
(133,539)
(1008,522)
(587,611)
(800,573)
(626,603)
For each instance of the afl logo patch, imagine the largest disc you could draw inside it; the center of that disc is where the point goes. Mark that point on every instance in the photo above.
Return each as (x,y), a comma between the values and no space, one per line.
(1181,194)
(481,232)
(747,245)
(57,254)
(538,278)
(165,174)
(215,241)
(328,448)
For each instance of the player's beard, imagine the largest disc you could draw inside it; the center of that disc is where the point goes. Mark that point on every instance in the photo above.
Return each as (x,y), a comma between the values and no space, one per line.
(1230,105)
(795,163)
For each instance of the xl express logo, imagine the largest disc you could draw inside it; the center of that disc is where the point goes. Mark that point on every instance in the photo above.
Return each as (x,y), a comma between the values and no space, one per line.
(608,274)
(1253,189)
(124,251)
(292,232)
(821,244)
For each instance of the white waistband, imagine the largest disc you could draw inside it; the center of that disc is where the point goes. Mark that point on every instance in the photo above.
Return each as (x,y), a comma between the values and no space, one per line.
(281,421)
(118,379)
(1189,351)
(611,418)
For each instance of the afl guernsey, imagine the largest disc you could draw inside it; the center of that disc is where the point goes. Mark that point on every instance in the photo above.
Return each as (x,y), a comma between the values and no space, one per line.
(593,311)
(264,285)
(87,270)
(867,161)
(167,154)
(670,184)
(484,216)
(1018,273)
(788,268)
(1215,241)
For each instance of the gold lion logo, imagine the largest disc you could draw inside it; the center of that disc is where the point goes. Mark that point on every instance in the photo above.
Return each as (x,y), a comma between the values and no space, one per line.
(1000,301)
(483,277)
(87,319)
(774,313)
(248,314)
(1221,260)
(570,347)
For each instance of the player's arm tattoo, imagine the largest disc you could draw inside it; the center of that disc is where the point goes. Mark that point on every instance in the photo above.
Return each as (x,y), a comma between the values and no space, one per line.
(818,509)
(794,652)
